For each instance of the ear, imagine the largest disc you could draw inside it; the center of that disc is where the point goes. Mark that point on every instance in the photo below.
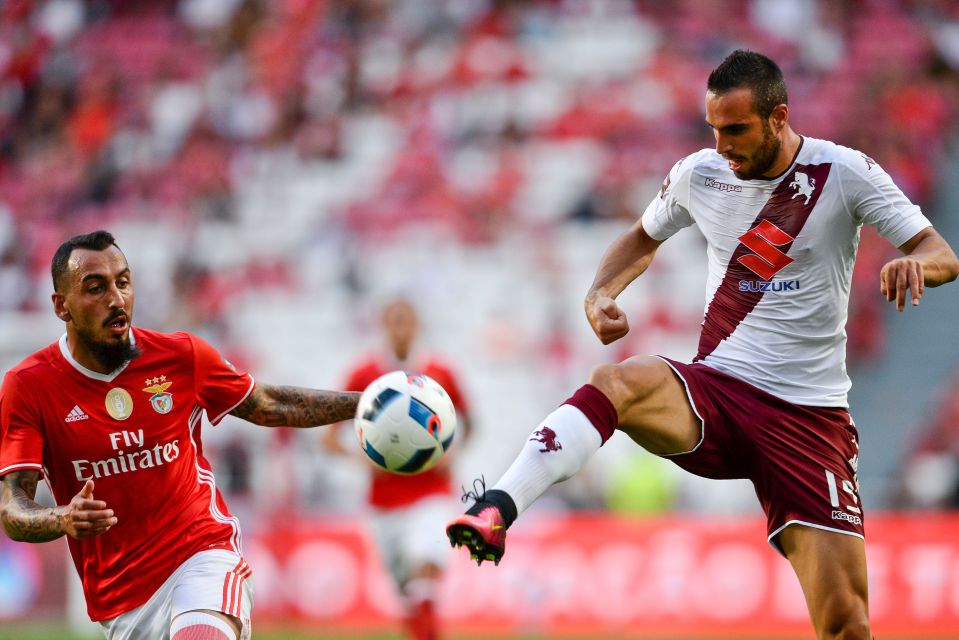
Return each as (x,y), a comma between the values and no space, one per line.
(60,307)
(779,117)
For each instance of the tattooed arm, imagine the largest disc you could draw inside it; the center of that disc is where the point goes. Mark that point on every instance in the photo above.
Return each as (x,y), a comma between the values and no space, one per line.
(26,521)
(276,406)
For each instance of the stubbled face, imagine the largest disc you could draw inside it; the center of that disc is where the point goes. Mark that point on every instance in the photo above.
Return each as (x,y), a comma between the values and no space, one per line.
(400,328)
(95,300)
(743,137)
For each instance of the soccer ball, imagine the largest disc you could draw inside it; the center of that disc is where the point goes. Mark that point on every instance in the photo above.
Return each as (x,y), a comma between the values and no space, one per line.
(405,421)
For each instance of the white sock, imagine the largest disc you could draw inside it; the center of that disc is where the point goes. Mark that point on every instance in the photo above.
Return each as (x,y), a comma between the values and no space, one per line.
(556,450)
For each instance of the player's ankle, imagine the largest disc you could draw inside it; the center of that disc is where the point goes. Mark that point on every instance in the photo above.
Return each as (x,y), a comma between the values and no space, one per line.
(498,499)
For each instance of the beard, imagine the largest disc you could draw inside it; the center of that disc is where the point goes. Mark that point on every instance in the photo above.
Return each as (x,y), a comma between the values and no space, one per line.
(765,156)
(112,355)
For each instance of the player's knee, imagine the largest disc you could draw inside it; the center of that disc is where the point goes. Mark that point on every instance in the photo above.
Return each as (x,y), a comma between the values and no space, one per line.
(845,619)
(626,383)
(849,630)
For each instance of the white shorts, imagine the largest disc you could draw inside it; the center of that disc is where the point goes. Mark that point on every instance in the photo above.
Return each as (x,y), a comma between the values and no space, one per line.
(217,580)
(408,537)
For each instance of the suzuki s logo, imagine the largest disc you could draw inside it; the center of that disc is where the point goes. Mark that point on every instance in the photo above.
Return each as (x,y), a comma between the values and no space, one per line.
(804,185)
(766,260)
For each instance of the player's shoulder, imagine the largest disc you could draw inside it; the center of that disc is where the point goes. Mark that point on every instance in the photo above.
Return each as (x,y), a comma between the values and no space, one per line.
(703,163)
(176,341)
(369,367)
(179,345)
(433,364)
(819,151)
(704,160)
(37,368)
(364,371)
(39,360)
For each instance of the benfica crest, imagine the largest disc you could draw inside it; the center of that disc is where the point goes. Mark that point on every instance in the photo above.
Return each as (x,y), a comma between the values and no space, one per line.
(161,400)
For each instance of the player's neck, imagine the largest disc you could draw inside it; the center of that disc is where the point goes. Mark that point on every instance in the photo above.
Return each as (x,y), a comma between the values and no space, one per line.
(86,358)
(82,356)
(791,142)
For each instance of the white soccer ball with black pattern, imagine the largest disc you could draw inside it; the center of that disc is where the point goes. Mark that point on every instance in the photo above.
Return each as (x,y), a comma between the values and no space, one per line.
(405,422)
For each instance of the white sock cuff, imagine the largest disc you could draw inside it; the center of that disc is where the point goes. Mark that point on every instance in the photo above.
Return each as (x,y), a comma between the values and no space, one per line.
(575,427)
(191,618)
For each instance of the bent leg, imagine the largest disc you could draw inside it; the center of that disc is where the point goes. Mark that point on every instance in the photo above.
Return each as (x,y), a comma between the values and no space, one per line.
(831,568)
(641,396)
(652,404)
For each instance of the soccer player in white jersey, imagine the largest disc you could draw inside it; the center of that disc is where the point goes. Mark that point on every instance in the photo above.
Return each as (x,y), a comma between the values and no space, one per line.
(110,416)
(765,397)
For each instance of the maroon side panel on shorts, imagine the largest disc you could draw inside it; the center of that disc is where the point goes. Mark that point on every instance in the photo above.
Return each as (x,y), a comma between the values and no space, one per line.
(802,460)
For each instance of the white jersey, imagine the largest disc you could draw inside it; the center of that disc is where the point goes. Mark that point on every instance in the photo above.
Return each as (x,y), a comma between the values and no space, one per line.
(781,254)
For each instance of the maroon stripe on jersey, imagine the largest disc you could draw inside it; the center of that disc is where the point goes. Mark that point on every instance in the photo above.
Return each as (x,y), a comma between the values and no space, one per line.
(761,253)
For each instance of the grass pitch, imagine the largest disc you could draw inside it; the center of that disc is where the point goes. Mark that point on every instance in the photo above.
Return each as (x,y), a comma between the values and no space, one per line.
(39,632)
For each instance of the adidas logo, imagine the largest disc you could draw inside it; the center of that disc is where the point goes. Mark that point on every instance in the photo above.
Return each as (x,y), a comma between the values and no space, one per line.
(76,414)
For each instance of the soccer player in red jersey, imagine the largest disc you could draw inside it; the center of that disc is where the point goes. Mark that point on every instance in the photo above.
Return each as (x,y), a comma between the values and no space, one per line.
(408,512)
(765,397)
(110,415)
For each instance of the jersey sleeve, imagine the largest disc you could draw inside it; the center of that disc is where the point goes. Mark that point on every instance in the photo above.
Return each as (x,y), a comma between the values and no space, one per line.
(669,210)
(874,199)
(220,386)
(21,437)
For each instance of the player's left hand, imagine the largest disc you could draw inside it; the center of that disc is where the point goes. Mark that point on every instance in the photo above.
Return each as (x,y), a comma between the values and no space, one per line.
(899,276)
(608,321)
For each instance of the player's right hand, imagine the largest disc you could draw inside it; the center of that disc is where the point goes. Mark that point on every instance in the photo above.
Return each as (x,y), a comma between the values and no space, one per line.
(85,517)
(607,319)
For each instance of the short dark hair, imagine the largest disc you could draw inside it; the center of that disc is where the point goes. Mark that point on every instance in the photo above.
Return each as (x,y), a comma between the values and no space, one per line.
(95,240)
(754,71)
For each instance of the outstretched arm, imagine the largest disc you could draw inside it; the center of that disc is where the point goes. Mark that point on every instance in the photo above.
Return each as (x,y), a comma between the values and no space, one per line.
(929,261)
(624,261)
(26,521)
(278,406)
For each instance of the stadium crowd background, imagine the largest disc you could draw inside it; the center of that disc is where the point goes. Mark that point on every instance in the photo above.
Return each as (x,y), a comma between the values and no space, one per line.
(275,170)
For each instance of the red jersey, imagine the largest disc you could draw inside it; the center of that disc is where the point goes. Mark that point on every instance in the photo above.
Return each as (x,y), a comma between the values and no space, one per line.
(392,490)
(136,434)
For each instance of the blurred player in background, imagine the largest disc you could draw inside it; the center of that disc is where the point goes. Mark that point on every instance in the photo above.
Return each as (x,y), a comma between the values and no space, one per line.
(110,416)
(408,512)
(765,397)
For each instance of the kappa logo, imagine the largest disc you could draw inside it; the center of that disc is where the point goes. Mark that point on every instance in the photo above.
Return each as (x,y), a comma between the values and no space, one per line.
(546,437)
(848,517)
(723,186)
(804,185)
(76,415)
(766,260)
